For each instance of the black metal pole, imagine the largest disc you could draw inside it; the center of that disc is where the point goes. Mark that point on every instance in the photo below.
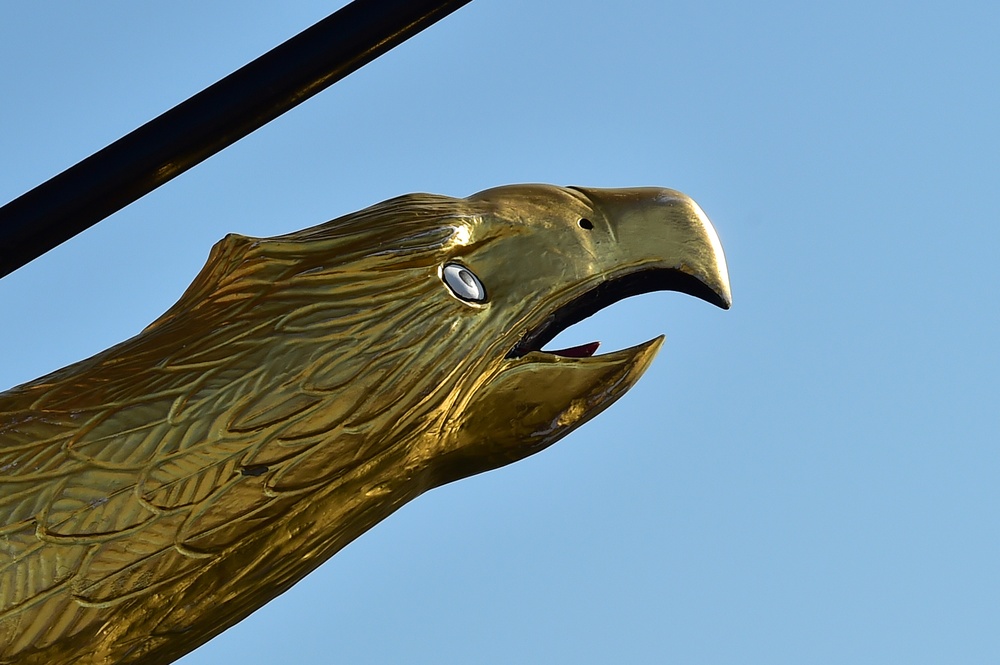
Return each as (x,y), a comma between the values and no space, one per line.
(216,117)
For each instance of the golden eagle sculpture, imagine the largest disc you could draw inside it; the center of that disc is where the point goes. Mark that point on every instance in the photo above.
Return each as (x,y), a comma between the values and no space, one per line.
(302,389)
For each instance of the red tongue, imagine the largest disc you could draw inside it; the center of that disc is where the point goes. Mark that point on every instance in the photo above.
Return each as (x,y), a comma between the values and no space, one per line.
(582,351)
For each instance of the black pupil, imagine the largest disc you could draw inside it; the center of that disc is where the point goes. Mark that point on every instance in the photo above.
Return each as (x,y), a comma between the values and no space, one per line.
(586,224)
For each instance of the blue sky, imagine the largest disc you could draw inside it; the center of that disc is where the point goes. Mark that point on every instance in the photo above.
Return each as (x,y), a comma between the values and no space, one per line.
(810,477)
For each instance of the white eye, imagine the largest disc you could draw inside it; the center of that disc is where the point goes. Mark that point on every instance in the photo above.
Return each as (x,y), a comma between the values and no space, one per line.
(463,283)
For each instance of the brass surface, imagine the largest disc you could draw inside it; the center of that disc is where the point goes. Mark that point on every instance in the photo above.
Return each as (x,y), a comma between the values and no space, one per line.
(302,389)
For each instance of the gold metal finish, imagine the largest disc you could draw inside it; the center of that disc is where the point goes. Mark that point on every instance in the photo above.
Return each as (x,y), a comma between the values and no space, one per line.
(302,389)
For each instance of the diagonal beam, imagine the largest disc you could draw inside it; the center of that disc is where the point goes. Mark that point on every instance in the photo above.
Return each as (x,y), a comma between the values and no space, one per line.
(213,119)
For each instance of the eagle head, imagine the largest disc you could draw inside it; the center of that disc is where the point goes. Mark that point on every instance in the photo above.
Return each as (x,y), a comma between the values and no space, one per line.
(415,328)
(303,388)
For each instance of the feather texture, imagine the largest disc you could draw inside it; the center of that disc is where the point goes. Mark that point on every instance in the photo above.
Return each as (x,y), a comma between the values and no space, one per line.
(133,470)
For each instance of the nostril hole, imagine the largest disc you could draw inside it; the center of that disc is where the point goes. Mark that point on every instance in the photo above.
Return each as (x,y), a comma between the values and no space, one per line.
(586,224)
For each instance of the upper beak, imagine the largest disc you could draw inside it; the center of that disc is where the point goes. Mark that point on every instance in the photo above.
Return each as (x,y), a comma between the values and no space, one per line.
(660,228)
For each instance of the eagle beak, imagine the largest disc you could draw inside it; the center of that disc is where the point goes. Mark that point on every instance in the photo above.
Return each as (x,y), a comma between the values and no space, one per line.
(643,240)
(651,239)
(660,230)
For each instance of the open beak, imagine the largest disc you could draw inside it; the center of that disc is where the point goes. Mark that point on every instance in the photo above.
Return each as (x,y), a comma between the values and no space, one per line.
(650,240)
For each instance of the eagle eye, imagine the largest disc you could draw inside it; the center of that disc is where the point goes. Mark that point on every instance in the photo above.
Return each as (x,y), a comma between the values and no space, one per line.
(463,283)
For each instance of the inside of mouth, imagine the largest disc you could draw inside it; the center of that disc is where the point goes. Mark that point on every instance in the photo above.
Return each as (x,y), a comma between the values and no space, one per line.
(581,351)
(603,295)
